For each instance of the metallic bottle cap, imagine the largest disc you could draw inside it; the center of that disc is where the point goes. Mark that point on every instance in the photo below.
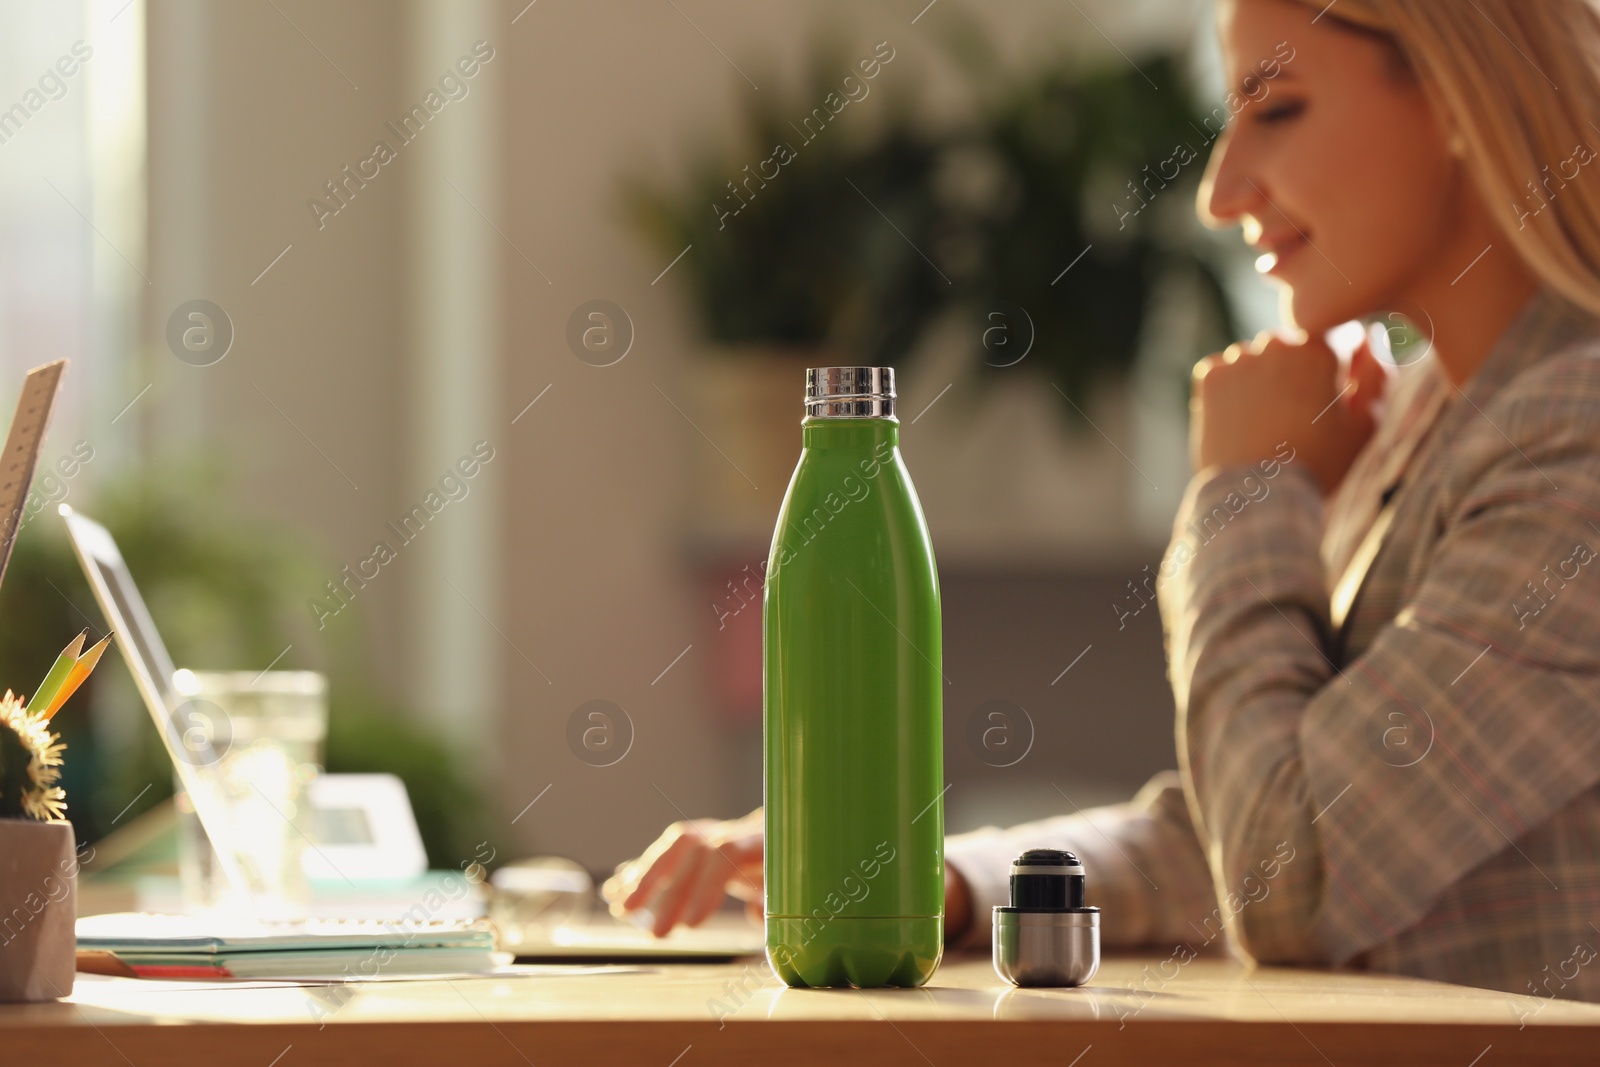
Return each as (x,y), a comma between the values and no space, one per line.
(1047,937)
(850,393)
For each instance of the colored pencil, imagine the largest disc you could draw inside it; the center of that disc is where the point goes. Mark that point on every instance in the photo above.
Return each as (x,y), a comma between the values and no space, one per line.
(58,672)
(80,671)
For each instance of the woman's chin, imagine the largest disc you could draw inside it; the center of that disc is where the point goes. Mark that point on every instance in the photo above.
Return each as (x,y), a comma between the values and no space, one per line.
(1317,313)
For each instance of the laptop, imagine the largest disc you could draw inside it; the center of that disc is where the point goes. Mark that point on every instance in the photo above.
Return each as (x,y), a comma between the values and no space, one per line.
(190,750)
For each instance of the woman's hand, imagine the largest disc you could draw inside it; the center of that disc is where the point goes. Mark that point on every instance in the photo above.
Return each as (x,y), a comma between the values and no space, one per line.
(684,874)
(1249,400)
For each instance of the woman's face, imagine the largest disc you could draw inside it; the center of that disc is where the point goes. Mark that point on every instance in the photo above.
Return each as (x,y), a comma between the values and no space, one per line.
(1336,167)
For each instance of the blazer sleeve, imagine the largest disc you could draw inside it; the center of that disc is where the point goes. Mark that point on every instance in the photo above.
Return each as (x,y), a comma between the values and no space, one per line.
(1470,719)
(1143,865)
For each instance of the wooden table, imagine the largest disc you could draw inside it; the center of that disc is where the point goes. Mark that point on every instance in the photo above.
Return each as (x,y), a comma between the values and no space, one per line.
(1145,1011)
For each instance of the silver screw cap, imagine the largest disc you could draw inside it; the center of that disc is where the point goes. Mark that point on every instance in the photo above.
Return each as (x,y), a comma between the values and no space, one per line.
(850,393)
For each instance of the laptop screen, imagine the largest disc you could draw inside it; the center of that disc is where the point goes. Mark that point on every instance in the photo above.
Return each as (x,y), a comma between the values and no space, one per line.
(193,757)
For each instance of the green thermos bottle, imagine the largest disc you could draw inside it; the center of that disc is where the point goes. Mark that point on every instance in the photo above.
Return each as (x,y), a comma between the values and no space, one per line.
(853,699)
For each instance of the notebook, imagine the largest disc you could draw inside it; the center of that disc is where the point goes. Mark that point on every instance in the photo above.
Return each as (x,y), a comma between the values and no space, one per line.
(181,946)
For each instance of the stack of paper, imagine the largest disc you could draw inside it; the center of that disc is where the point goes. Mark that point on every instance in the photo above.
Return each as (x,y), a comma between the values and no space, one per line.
(179,946)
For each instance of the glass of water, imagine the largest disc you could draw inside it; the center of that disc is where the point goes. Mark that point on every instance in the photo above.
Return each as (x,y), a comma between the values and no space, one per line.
(257,740)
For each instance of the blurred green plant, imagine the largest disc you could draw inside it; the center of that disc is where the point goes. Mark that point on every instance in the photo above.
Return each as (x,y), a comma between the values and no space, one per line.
(1057,160)
(789,217)
(1072,198)
(225,594)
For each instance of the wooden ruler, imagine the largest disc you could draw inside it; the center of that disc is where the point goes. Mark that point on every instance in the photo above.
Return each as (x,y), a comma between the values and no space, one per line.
(21,454)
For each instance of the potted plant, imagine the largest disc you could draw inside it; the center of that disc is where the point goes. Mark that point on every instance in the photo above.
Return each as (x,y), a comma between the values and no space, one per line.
(1071,195)
(1035,226)
(806,229)
(1047,221)
(38,853)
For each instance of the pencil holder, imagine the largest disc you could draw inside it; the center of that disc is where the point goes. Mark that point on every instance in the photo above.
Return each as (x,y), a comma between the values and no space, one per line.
(38,909)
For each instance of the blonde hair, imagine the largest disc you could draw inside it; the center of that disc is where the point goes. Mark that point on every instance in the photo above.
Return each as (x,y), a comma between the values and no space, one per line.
(1518,80)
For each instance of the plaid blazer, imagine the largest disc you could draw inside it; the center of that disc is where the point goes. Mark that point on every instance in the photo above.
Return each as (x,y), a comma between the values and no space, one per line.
(1389,707)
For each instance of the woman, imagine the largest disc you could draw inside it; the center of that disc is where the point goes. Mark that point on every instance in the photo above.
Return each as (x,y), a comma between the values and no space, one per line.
(1387,667)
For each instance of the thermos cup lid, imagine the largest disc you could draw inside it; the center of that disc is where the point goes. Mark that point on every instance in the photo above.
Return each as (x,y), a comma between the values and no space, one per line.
(850,392)
(1046,937)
